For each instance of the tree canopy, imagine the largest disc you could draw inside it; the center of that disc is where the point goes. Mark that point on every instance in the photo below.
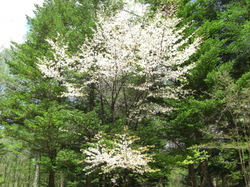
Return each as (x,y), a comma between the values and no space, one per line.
(128,93)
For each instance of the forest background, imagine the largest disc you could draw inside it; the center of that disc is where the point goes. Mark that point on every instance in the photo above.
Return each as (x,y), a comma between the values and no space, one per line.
(166,86)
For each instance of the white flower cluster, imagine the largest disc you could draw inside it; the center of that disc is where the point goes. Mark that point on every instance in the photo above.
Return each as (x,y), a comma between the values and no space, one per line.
(129,50)
(117,154)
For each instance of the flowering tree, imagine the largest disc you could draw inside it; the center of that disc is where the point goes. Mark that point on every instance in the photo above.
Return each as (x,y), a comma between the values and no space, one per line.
(131,59)
(110,156)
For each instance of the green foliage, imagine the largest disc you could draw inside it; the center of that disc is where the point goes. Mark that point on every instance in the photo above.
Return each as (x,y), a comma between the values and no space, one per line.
(195,156)
(214,118)
(67,18)
(211,124)
(31,110)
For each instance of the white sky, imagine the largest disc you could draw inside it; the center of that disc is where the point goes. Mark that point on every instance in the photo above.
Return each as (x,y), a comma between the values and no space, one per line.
(13,19)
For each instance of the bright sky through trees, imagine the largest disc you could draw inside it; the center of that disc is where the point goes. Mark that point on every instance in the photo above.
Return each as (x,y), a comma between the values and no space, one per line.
(13,19)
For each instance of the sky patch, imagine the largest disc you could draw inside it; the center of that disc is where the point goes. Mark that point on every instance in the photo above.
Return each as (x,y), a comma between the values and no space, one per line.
(13,21)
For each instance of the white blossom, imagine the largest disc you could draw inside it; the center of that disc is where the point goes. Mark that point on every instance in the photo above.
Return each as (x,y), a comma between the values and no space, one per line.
(119,154)
(125,46)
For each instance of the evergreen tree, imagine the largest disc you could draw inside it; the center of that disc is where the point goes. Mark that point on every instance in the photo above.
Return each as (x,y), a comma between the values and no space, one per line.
(224,52)
(32,110)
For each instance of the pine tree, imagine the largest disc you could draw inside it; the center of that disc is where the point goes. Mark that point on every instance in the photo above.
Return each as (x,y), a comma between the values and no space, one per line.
(28,105)
(223,28)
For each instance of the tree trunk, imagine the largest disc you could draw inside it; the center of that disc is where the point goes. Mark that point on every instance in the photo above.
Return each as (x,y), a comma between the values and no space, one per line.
(191,175)
(92,97)
(205,177)
(102,110)
(112,108)
(224,182)
(62,181)
(37,170)
(5,171)
(29,172)
(125,102)
(88,181)
(52,173)
(15,169)
(245,168)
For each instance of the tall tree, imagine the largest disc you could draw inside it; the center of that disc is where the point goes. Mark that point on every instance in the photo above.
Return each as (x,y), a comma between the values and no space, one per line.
(125,68)
(223,28)
(125,57)
(25,105)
